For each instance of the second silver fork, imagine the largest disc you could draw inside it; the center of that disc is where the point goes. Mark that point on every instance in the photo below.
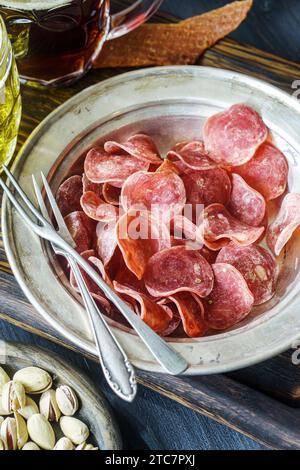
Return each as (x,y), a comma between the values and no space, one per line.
(116,367)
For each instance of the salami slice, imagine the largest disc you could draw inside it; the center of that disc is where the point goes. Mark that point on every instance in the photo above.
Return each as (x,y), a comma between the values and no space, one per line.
(257,266)
(81,229)
(285,224)
(162,193)
(69,194)
(111,194)
(139,236)
(89,186)
(156,316)
(246,204)
(233,136)
(178,270)
(168,165)
(97,209)
(106,241)
(101,167)
(140,146)
(267,172)
(184,228)
(230,300)
(191,311)
(207,187)
(219,227)
(193,155)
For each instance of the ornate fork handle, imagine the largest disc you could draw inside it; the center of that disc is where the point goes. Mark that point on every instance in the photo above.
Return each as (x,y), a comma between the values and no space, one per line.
(117,369)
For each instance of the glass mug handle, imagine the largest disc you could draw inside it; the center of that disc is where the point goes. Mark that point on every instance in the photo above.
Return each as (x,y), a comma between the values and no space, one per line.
(132,17)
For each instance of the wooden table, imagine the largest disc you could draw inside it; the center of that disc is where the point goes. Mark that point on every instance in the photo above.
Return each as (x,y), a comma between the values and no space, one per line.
(260,401)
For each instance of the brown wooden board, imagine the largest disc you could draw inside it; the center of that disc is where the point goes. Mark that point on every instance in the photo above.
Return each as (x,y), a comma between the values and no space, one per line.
(261,401)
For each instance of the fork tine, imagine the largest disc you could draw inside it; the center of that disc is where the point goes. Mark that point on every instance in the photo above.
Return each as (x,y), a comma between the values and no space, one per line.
(23,195)
(40,199)
(18,206)
(62,227)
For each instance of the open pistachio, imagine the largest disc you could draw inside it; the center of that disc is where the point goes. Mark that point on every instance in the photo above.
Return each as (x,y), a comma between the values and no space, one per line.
(34,379)
(41,432)
(29,409)
(13,396)
(30,446)
(49,407)
(9,434)
(64,444)
(4,378)
(67,400)
(22,434)
(74,429)
(2,445)
(85,446)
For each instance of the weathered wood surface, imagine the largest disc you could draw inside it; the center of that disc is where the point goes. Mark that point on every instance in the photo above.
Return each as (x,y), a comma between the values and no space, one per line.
(241,399)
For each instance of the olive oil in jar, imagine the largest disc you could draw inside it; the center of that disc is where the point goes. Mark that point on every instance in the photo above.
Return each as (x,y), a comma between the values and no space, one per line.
(10,99)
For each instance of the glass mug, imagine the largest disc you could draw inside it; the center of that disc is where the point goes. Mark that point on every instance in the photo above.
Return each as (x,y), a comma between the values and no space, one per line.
(10,99)
(57,41)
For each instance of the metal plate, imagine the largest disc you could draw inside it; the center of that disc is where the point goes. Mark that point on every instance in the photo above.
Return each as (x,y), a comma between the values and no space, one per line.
(171,103)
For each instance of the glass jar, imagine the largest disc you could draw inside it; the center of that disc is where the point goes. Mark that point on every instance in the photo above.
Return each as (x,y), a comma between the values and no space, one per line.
(10,99)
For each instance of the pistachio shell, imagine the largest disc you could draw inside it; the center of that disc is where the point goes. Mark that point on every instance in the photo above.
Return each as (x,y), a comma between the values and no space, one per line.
(4,378)
(41,432)
(9,434)
(49,407)
(13,396)
(2,446)
(31,446)
(85,446)
(34,379)
(29,409)
(3,412)
(67,400)
(74,429)
(1,420)
(22,434)
(64,444)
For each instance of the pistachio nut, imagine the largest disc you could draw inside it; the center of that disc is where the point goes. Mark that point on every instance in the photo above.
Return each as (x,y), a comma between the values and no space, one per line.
(29,409)
(9,434)
(41,432)
(64,444)
(13,396)
(34,379)
(3,412)
(22,434)
(67,400)
(1,420)
(30,446)
(85,446)
(4,378)
(2,446)
(74,429)
(49,407)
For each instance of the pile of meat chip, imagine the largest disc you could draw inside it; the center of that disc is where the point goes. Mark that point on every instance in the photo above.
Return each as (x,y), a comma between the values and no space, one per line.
(224,262)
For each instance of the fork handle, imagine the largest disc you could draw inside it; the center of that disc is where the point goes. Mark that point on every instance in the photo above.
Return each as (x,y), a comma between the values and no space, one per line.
(116,367)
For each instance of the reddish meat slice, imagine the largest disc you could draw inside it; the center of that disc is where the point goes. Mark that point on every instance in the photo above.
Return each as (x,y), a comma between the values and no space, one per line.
(207,187)
(81,229)
(139,236)
(193,155)
(178,270)
(191,311)
(267,172)
(233,136)
(89,186)
(111,194)
(257,266)
(106,241)
(285,224)
(162,193)
(140,146)
(219,227)
(246,204)
(230,300)
(69,194)
(101,167)
(168,165)
(97,209)
(158,317)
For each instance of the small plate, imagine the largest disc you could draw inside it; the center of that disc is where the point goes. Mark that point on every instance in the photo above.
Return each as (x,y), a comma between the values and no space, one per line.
(94,410)
(171,104)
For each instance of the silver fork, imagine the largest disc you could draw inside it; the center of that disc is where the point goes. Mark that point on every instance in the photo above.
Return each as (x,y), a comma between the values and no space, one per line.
(116,367)
(169,359)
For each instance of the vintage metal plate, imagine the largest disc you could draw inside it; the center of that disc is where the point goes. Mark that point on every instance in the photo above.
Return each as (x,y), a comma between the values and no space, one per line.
(170,103)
